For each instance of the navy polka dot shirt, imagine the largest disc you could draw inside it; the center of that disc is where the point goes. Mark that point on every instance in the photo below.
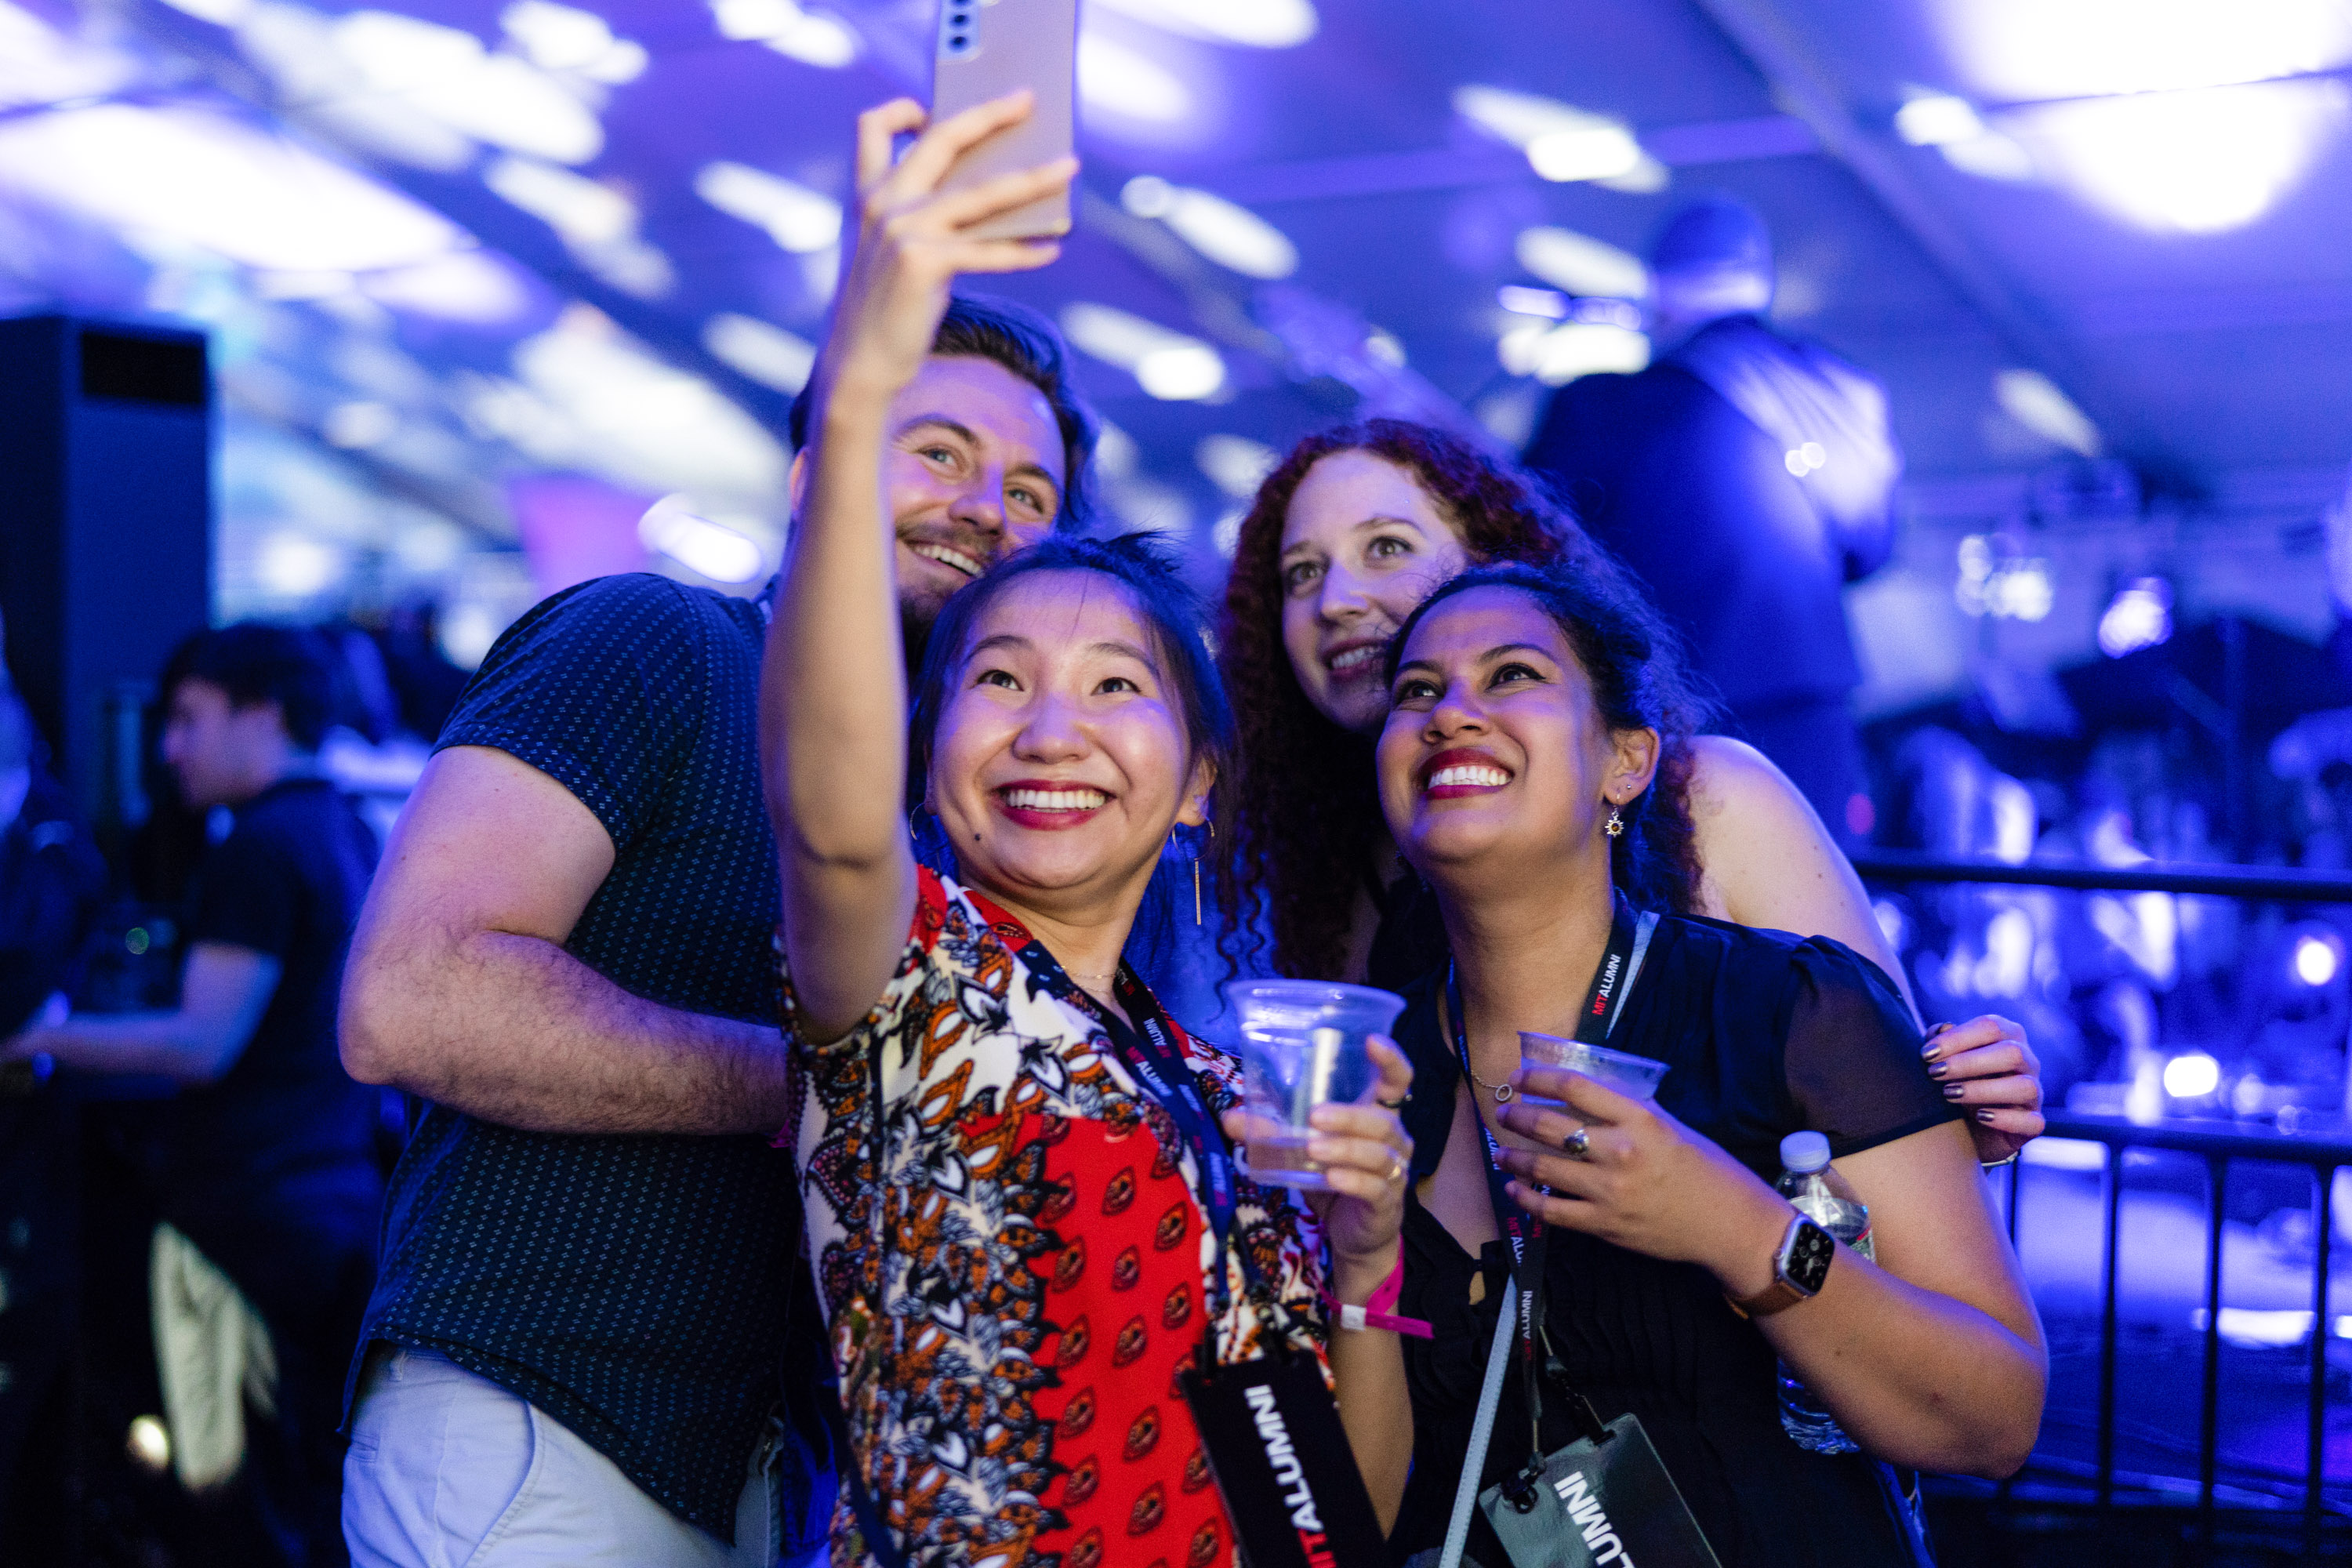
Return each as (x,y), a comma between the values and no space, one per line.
(632,1288)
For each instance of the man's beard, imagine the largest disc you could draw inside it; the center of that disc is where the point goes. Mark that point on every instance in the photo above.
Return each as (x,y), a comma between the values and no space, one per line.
(916,618)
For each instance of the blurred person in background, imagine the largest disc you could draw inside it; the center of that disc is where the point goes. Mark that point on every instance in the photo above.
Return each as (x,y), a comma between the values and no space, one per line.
(51,882)
(590,1304)
(1747,477)
(270,1176)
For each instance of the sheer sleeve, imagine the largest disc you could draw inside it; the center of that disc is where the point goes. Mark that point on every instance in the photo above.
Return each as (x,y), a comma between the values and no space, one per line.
(1852,1060)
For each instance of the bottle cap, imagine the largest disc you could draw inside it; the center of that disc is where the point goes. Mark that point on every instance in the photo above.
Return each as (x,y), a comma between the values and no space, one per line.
(1805,1152)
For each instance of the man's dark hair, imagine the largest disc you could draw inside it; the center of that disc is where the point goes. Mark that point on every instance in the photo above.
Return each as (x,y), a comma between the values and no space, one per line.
(254,663)
(1027,344)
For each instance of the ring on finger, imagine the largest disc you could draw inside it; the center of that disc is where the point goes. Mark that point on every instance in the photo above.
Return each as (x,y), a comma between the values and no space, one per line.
(1396,1168)
(1578,1145)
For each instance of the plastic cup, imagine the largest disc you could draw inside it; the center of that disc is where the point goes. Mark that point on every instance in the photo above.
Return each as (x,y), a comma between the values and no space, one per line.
(1636,1077)
(1302,1044)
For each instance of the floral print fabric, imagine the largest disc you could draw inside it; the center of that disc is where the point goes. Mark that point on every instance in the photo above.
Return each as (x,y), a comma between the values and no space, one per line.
(1011,1253)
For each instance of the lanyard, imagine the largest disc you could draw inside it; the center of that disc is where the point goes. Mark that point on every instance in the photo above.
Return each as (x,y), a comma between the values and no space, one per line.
(1150,1052)
(1613,981)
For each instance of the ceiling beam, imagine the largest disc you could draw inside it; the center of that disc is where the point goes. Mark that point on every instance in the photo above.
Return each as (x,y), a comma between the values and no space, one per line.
(1781,56)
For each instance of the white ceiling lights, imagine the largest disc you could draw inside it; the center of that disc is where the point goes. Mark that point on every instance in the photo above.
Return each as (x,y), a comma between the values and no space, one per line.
(596,223)
(1578,264)
(674,526)
(1558,355)
(1562,143)
(218,185)
(445,73)
(1228,234)
(2175,122)
(800,220)
(1125,84)
(565,39)
(812,38)
(1256,24)
(2034,400)
(1169,365)
(767,355)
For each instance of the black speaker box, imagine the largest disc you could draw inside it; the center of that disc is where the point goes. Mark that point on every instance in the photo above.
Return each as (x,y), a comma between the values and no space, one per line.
(105,529)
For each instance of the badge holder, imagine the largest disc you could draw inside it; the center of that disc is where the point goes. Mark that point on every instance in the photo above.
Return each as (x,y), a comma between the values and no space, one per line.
(1280,1456)
(1603,1499)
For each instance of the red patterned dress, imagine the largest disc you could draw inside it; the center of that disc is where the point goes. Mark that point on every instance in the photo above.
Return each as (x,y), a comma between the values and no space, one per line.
(1012,1253)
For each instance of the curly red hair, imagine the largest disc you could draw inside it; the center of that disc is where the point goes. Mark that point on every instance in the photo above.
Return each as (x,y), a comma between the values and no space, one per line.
(1305,796)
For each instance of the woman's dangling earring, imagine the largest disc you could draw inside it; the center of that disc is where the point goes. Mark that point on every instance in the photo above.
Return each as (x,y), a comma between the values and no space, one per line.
(1615,826)
(1196,877)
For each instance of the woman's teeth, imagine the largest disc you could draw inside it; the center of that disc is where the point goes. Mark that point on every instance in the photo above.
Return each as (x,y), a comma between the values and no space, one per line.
(947,557)
(1491,778)
(1354,660)
(1055,799)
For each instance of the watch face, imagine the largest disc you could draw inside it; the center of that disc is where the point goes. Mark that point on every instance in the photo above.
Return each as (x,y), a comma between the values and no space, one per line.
(1809,1251)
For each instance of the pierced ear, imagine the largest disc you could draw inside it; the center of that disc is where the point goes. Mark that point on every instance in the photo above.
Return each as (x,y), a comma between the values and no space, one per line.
(1638,754)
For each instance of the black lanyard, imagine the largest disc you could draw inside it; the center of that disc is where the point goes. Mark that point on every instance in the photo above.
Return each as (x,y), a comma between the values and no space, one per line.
(1602,1004)
(1149,1050)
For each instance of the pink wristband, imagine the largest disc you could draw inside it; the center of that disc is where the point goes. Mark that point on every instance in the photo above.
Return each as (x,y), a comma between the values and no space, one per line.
(1374,1313)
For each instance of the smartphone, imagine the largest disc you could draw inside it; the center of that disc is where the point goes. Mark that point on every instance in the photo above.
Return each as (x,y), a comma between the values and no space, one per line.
(988,48)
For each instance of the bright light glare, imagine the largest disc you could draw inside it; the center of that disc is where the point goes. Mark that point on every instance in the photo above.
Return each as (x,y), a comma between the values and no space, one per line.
(220,13)
(463,286)
(812,38)
(1259,24)
(2199,162)
(1999,580)
(575,206)
(1936,119)
(1562,143)
(2192,1075)
(2034,401)
(355,427)
(296,565)
(1594,153)
(1169,365)
(1991,155)
(2030,49)
(711,549)
(566,39)
(797,218)
(1228,234)
(445,73)
(1235,464)
(2139,617)
(2316,960)
(1578,264)
(149,1443)
(767,355)
(218,185)
(1558,355)
(1116,81)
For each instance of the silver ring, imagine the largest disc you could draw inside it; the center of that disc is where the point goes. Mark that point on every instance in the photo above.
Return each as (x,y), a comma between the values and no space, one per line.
(1578,1145)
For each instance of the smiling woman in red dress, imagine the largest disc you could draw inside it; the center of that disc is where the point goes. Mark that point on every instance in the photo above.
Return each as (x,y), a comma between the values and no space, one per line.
(1016,1180)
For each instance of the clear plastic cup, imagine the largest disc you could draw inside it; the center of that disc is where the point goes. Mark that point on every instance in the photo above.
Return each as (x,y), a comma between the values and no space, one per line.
(1634,1077)
(1302,1044)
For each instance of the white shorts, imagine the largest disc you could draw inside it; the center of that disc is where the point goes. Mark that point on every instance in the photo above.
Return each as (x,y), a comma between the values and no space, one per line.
(448,1469)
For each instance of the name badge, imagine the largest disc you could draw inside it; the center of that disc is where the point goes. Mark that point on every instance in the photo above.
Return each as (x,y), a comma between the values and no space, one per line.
(1598,1505)
(1283,1466)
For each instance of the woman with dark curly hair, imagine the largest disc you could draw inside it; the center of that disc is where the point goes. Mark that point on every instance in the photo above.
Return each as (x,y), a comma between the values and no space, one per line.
(1356,527)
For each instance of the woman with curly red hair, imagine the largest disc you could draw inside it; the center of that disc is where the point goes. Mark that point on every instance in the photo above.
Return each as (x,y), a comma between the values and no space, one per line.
(1347,536)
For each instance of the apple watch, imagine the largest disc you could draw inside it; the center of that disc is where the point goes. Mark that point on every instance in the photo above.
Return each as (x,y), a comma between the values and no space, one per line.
(1798,1270)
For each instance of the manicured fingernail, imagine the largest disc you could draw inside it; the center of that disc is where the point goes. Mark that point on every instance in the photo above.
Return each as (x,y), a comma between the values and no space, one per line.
(1928,1050)
(1954,1090)
(1984,1113)
(1938,1069)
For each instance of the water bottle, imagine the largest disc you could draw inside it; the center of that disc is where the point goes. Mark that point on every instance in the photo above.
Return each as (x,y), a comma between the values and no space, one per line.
(1812,1184)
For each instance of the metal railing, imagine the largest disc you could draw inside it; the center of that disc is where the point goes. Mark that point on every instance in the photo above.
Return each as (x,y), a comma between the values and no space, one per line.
(2323,1153)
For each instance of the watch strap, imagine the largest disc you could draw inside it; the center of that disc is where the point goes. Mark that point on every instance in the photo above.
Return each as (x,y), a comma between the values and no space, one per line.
(1784,1292)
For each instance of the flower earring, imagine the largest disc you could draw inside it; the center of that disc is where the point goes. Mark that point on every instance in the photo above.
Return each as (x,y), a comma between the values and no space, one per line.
(1615,826)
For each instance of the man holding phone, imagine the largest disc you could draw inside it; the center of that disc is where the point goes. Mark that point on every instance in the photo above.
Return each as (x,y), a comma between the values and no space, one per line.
(584,1308)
